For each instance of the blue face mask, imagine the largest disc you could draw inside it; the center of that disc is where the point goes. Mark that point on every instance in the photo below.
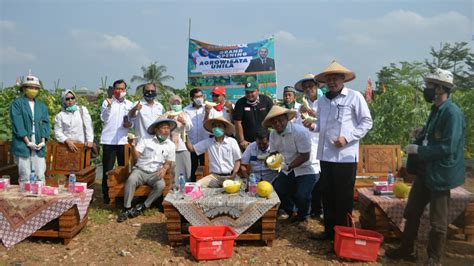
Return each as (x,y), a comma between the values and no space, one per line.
(285,131)
(176,107)
(71,108)
(149,95)
(161,138)
(218,132)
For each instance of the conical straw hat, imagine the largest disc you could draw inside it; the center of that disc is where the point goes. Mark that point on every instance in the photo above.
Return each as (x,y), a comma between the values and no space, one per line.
(229,128)
(277,111)
(335,68)
(306,77)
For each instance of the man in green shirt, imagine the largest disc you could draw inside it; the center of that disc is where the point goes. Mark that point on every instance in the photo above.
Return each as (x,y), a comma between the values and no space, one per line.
(440,167)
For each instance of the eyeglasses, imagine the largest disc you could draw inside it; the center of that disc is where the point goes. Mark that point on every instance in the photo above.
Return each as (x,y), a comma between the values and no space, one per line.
(215,95)
(70,98)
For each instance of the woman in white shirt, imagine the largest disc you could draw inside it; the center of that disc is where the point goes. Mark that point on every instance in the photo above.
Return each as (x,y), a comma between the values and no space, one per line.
(73,124)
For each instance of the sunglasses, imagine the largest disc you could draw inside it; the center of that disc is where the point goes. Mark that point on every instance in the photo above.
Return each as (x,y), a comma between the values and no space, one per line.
(70,98)
(215,95)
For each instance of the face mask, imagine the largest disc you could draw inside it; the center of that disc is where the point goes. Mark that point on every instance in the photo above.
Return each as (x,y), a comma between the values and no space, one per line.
(429,94)
(332,94)
(71,108)
(161,138)
(31,93)
(290,105)
(149,96)
(285,131)
(198,101)
(176,107)
(119,94)
(218,132)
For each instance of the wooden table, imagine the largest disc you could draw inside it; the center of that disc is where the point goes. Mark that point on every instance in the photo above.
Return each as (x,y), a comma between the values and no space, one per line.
(373,215)
(177,231)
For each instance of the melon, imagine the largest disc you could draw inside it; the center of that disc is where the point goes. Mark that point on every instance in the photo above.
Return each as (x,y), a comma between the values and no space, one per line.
(401,190)
(264,189)
(231,186)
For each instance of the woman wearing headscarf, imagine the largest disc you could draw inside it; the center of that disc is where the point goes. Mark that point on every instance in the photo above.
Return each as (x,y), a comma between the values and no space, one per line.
(73,124)
(30,130)
(184,125)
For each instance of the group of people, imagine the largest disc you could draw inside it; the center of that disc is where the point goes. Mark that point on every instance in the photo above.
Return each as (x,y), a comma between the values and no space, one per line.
(319,141)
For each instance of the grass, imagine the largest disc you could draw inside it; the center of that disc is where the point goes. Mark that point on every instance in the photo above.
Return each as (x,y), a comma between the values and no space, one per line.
(99,216)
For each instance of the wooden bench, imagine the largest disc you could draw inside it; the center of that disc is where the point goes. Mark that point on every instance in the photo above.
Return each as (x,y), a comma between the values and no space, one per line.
(7,163)
(117,177)
(60,161)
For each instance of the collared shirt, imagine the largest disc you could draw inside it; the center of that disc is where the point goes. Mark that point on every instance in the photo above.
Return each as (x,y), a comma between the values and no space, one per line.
(70,125)
(314,136)
(153,153)
(145,117)
(296,141)
(222,156)
(348,116)
(178,133)
(252,116)
(197,132)
(113,132)
(250,156)
(213,113)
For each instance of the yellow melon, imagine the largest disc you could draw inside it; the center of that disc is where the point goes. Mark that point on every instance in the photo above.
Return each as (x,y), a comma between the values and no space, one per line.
(264,189)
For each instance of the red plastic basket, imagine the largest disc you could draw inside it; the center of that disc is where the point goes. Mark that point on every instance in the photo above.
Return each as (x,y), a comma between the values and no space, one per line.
(211,242)
(354,243)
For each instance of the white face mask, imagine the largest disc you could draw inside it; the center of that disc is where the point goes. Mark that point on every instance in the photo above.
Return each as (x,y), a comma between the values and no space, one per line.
(198,101)
(122,94)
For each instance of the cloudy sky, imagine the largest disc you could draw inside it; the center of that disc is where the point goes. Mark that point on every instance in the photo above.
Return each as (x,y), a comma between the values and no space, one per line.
(78,42)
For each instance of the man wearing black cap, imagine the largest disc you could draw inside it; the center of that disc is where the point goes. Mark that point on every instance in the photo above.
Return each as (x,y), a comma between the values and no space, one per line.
(249,113)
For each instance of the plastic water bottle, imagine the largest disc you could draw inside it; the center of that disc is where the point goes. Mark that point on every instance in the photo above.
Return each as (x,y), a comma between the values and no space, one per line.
(72,182)
(390,177)
(252,185)
(32,180)
(182,182)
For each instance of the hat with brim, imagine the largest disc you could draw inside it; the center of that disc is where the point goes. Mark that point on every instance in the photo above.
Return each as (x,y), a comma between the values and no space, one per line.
(306,77)
(151,128)
(31,81)
(229,128)
(335,68)
(277,111)
(442,77)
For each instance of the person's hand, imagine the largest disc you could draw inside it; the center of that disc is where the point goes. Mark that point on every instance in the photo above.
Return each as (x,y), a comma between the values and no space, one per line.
(109,101)
(207,108)
(40,146)
(138,107)
(243,145)
(89,144)
(285,167)
(310,111)
(126,122)
(32,146)
(161,174)
(307,124)
(181,119)
(228,105)
(414,134)
(411,149)
(340,142)
(71,145)
(131,141)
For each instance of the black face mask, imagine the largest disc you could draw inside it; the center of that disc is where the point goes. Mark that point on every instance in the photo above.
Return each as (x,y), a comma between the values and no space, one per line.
(149,95)
(332,94)
(429,94)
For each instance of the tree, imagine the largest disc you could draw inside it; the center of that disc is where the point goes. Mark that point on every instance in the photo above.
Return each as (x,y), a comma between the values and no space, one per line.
(155,73)
(456,58)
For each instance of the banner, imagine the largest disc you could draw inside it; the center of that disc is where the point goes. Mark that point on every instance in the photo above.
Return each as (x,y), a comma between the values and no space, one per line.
(232,66)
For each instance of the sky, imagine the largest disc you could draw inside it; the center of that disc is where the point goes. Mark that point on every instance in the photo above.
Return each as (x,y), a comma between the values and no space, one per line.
(81,42)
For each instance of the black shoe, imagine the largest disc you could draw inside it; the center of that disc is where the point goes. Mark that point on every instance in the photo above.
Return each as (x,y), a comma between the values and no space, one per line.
(322,236)
(401,253)
(124,215)
(137,210)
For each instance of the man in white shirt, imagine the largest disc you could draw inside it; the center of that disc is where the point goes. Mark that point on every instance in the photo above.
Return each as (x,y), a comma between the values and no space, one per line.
(145,111)
(255,156)
(195,111)
(296,180)
(114,114)
(223,151)
(343,118)
(223,108)
(309,87)
(154,157)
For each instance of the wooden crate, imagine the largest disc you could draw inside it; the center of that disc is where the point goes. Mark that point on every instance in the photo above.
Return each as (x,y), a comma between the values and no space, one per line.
(177,231)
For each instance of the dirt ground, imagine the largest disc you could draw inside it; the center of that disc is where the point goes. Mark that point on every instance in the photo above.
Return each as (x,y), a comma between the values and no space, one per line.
(143,241)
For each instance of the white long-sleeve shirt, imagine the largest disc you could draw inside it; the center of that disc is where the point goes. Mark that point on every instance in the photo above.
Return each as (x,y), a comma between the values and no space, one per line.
(145,117)
(314,135)
(197,132)
(70,125)
(346,115)
(113,132)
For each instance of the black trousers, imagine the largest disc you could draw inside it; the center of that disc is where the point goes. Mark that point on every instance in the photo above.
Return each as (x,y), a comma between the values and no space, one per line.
(317,199)
(109,155)
(337,184)
(195,162)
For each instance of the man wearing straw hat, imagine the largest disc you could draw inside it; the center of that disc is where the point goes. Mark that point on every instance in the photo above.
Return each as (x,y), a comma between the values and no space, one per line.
(343,118)
(223,152)
(309,87)
(295,182)
(154,157)
(439,167)
(30,130)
